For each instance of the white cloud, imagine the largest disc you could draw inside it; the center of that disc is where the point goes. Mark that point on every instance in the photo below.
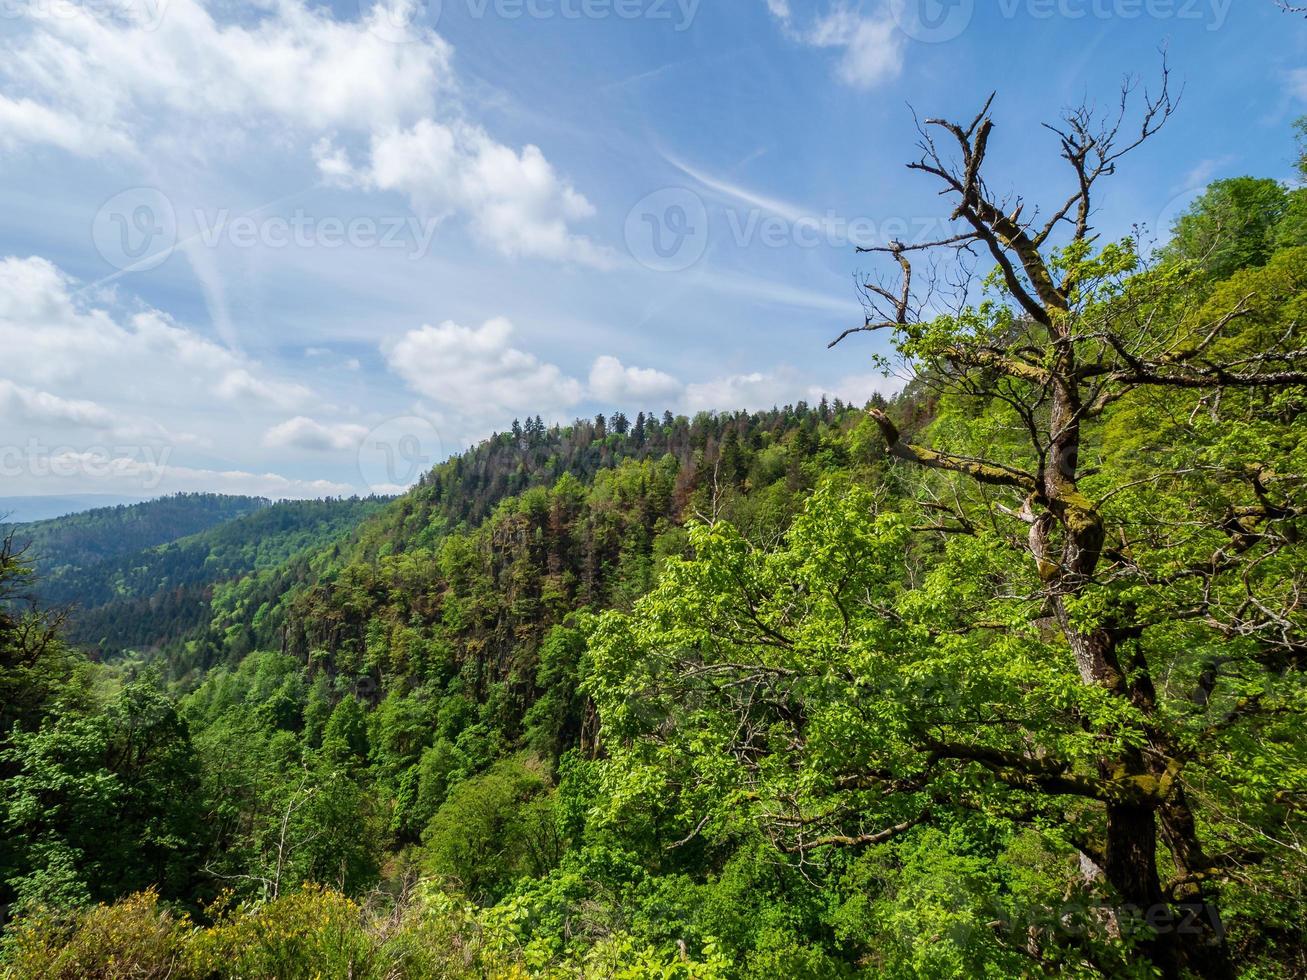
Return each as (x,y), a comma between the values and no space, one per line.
(612,382)
(871,46)
(302,432)
(759,391)
(93,84)
(30,405)
(857,389)
(239,385)
(754,392)
(146,474)
(1201,173)
(70,365)
(49,337)
(514,201)
(83,390)
(477,377)
(292,64)
(274,485)
(24,121)
(479,381)
(1297,79)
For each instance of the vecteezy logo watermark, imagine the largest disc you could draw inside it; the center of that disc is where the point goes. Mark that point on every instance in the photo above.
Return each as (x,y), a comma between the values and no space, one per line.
(396,453)
(145,15)
(667,231)
(400,21)
(1160,231)
(137,466)
(933,21)
(135,230)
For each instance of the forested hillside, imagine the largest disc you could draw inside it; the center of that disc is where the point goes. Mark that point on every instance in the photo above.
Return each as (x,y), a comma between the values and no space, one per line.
(64,547)
(1001,678)
(534,523)
(141,579)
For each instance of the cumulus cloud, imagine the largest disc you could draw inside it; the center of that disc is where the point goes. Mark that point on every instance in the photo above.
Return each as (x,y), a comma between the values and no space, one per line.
(1297,80)
(23,121)
(145,473)
(477,377)
(514,201)
(479,381)
(27,404)
(51,338)
(83,388)
(857,389)
(302,432)
(754,391)
(274,485)
(616,384)
(761,390)
(293,63)
(870,46)
(239,385)
(93,84)
(71,365)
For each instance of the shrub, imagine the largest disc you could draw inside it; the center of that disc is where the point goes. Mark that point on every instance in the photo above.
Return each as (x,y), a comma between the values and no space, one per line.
(135,939)
(313,932)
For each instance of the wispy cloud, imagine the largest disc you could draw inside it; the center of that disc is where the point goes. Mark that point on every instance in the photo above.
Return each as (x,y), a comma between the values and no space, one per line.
(870,46)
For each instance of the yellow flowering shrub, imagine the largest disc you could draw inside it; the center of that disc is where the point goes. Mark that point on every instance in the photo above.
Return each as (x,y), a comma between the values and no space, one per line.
(135,939)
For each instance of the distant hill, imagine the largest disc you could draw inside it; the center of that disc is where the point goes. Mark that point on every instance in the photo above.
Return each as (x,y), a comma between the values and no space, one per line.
(23,510)
(66,546)
(133,577)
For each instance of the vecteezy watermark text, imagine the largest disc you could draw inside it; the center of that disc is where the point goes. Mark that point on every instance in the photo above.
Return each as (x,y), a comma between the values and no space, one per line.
(831,230)
(402,21)
(303,230)
(138,229)
(680,13)
(670,230)
(143,14)
(1212,13)
(1078,919)
(142,466)
(938,21)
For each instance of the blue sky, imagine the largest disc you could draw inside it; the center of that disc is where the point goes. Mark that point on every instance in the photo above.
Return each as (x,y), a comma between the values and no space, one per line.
(296,249)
